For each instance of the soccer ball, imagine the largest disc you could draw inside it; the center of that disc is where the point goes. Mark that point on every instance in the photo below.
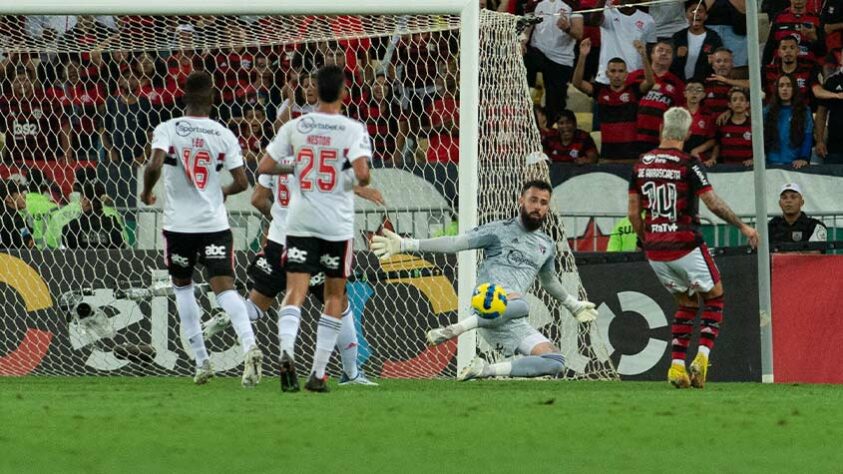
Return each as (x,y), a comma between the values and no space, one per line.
(489,301)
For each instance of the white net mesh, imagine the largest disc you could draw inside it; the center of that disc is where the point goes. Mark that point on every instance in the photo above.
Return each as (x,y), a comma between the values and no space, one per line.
(80,96)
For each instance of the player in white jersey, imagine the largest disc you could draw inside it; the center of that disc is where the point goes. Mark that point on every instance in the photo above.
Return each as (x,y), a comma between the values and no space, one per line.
(320,223)
(268,278)
(516,253)
(192,150)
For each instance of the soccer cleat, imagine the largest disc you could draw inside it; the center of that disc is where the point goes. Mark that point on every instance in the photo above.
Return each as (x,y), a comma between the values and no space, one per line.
(289,379)
(699,370)
(361,379)
(203,373)
(439,335)
(217,324)
(472,371)
(252,369)
(677,376)
(316,384)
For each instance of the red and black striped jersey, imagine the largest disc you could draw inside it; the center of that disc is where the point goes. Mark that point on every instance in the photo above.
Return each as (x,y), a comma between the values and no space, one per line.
(716,98)
(788,23)
(669,183)
(558,152)
(702,130)
(618,111)
(833,13)
(806,76)
(735,141)
(667,92)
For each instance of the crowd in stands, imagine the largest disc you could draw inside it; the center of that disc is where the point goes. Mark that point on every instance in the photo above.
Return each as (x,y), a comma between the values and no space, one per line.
(636,62)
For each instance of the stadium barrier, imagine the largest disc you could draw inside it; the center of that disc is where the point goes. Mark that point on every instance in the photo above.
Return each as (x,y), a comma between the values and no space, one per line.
(43,334)
(807,318)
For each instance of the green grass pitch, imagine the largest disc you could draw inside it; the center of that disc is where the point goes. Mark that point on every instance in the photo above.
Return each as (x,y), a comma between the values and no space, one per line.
(151,425)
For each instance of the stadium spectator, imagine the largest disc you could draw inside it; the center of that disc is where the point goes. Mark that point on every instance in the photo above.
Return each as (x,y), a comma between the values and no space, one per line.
(551,52)
(353,79)
(124,138)
(92,228)
(788,62)
(832,19)
(774,7)
(670,18)
(39,204)
(250,130)
(694,44)
(728,19)
(798,22)
(830,117)
(33,124)
(620,28)
(718,85)
(701,140)
(418,56)
(570,144)
(667,91)
(547,134)
(794,225)
(592,32)
(14,233)
(157,86)
(83,100)
(231,68)
(37,26)
(442,123)
(263,92)
(788,126)
(617,103)
(733,140)
(299,99)
(86,36)
(385,122)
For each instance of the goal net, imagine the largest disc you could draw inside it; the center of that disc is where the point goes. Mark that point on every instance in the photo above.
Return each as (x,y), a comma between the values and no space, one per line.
(80,97)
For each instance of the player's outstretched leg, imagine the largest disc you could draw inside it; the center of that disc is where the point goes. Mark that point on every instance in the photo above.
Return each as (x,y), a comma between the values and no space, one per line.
(517,308)
(189,314)
(530,366)
(682,328)
(712,316)
(289,319)
(348,348)
(233,304)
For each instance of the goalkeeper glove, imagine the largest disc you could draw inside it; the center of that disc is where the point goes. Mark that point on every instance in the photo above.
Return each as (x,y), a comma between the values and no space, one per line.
(583,311)
(391,243)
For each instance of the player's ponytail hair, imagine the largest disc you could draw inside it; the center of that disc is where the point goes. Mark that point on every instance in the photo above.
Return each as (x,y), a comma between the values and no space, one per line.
(677,121)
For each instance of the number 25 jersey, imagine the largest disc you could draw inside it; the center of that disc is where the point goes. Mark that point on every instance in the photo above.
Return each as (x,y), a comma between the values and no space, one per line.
(324,146)
(197,149)
(669,183)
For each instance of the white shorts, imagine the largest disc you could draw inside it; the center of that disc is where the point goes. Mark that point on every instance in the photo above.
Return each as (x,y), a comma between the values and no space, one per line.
(513,337)
(693,273)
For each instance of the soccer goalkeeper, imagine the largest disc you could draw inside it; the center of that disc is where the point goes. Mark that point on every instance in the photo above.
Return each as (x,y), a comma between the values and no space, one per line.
(516,252)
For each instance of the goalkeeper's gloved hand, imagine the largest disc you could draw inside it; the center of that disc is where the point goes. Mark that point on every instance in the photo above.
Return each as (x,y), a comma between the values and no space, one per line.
(391,243)
(584,311)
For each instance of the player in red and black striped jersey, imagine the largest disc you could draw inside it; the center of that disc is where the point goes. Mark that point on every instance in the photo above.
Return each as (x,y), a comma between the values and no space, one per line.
(666,184)
(789,62)
(617,103)
(734,138)
(668,91)
(718,85)
(797,21)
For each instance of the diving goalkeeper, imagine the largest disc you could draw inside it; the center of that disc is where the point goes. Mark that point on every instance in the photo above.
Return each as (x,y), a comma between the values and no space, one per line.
(516,251)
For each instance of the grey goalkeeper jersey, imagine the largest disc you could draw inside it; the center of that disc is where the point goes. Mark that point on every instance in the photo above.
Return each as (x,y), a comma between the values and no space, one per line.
(514,255)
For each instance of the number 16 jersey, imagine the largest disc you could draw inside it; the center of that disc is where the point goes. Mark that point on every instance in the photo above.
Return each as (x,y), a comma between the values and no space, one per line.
(669,183)
(197,149)
(324,147)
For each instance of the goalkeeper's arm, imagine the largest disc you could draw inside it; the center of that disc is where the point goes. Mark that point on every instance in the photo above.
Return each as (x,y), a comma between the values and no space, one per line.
(391,243)
(583,311)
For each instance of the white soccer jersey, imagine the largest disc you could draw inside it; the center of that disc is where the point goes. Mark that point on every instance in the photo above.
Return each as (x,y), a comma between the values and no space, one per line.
(282,192)
(324,145)
(618,32)
(197,149)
